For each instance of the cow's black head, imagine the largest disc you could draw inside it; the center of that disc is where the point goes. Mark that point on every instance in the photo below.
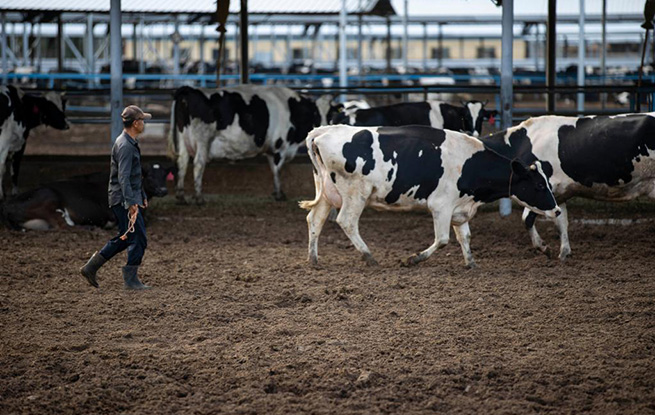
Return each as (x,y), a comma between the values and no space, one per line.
(474,115)
(337,114)
(48,110)
(155,177)
(530,186)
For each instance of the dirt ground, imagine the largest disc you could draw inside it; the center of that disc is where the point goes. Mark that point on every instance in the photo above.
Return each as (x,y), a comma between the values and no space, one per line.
(237,322)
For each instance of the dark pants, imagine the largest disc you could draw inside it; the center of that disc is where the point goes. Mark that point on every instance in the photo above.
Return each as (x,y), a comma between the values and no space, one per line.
(136,241)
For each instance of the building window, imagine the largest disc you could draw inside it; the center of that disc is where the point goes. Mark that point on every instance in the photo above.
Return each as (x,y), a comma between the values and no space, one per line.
(440,53)
(486,52)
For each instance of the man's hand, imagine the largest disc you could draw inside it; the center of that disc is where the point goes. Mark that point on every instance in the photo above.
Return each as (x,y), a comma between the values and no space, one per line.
(145,203)
(133,209)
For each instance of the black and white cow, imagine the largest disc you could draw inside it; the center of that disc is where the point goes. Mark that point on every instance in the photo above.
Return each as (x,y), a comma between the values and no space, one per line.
(20,113)
(609,158)
(467,118)
(416,167)
(79,200)
(238,123)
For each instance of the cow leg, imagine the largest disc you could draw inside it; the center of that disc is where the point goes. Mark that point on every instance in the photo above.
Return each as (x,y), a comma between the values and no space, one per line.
(562,222)
(315,221)
(199,163)
(182,164)
(3,159)
(278,194)
(15,169)
(441,237)
(463,235)
(348,219)
(529,222)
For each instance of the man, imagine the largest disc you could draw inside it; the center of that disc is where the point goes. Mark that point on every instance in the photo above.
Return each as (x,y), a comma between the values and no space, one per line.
(126,199)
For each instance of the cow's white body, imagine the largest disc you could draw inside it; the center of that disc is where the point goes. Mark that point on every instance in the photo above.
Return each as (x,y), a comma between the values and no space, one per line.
(352,191)
(543,134)
(204,142)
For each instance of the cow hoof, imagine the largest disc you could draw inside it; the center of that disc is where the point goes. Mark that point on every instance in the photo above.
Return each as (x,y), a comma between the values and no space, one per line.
(181,200)
(370,261)
(471,265)
(410,261)
(545,249)
(564,255)
(313,262)
(279,197)
(199,200)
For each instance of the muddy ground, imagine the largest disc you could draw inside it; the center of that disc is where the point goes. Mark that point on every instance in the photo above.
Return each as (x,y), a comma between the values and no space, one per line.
(237,322)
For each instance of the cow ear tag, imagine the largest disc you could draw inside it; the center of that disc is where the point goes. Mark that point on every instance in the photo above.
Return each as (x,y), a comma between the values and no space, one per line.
(492,120)
(170,177)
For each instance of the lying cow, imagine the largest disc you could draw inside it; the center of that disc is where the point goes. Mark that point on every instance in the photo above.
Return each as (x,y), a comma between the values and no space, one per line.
(80,200)
(20,113)
(606,158)
(238,123)
(416,167)
(467,118)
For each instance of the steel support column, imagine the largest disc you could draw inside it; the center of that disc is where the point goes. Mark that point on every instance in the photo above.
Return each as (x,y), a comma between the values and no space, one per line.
(3,40)
(405,35)
(343,75)
(88,49)
(140,50)
(176,49)
(243,32)
(60,44)
(26,45)
(581,56)
(551,73)
(603,54)
(116,69)
(506,87)
(425,47)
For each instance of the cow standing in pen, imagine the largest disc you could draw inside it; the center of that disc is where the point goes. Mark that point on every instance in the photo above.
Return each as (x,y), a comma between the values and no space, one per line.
(415,167)
(19,114)
(238,123)
(608,158)
(468,118)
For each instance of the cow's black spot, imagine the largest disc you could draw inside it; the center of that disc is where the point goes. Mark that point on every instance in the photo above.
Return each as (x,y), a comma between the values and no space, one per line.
(304,116)
(278,143)
(412,170)
(333,176)
(529,220)
(417,113)
(192,103)
(276,158)
(602,149)
(253,117)
(389,175)
(361,146)
(502,170)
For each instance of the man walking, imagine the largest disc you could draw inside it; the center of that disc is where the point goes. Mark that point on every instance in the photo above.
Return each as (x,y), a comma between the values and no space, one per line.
(126,199)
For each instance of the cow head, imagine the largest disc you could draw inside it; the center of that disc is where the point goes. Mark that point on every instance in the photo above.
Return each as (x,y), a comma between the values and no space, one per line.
(474,115)
(529,186)
(155,178)
(47,110)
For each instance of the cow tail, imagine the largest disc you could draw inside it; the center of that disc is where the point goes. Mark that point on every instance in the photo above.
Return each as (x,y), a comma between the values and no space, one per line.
(172,133)
(315,158)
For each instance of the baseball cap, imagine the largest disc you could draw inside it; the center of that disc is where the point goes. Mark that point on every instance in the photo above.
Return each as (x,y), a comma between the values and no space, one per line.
(132,112)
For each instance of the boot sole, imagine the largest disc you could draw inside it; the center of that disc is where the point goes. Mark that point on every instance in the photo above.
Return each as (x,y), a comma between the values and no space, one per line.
(89,278)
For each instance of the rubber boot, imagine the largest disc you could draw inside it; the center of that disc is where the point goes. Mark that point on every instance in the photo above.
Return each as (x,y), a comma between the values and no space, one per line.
(90,269)
(131,280)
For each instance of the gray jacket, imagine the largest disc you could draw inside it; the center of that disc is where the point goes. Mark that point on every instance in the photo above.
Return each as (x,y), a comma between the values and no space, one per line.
(125,185)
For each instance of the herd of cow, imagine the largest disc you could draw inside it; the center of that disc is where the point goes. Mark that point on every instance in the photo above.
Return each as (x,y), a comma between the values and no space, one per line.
(422,155)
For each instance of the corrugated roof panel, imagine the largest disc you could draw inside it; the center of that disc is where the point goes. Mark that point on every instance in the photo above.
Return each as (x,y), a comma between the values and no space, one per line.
(67,5)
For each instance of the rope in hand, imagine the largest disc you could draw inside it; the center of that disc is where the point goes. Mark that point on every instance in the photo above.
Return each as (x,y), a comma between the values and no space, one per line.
(130,226)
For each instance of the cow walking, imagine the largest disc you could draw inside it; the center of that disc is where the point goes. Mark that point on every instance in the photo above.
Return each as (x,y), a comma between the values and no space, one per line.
(19,114)
(416,167)
(609,158)
(468,118)
(238,123)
